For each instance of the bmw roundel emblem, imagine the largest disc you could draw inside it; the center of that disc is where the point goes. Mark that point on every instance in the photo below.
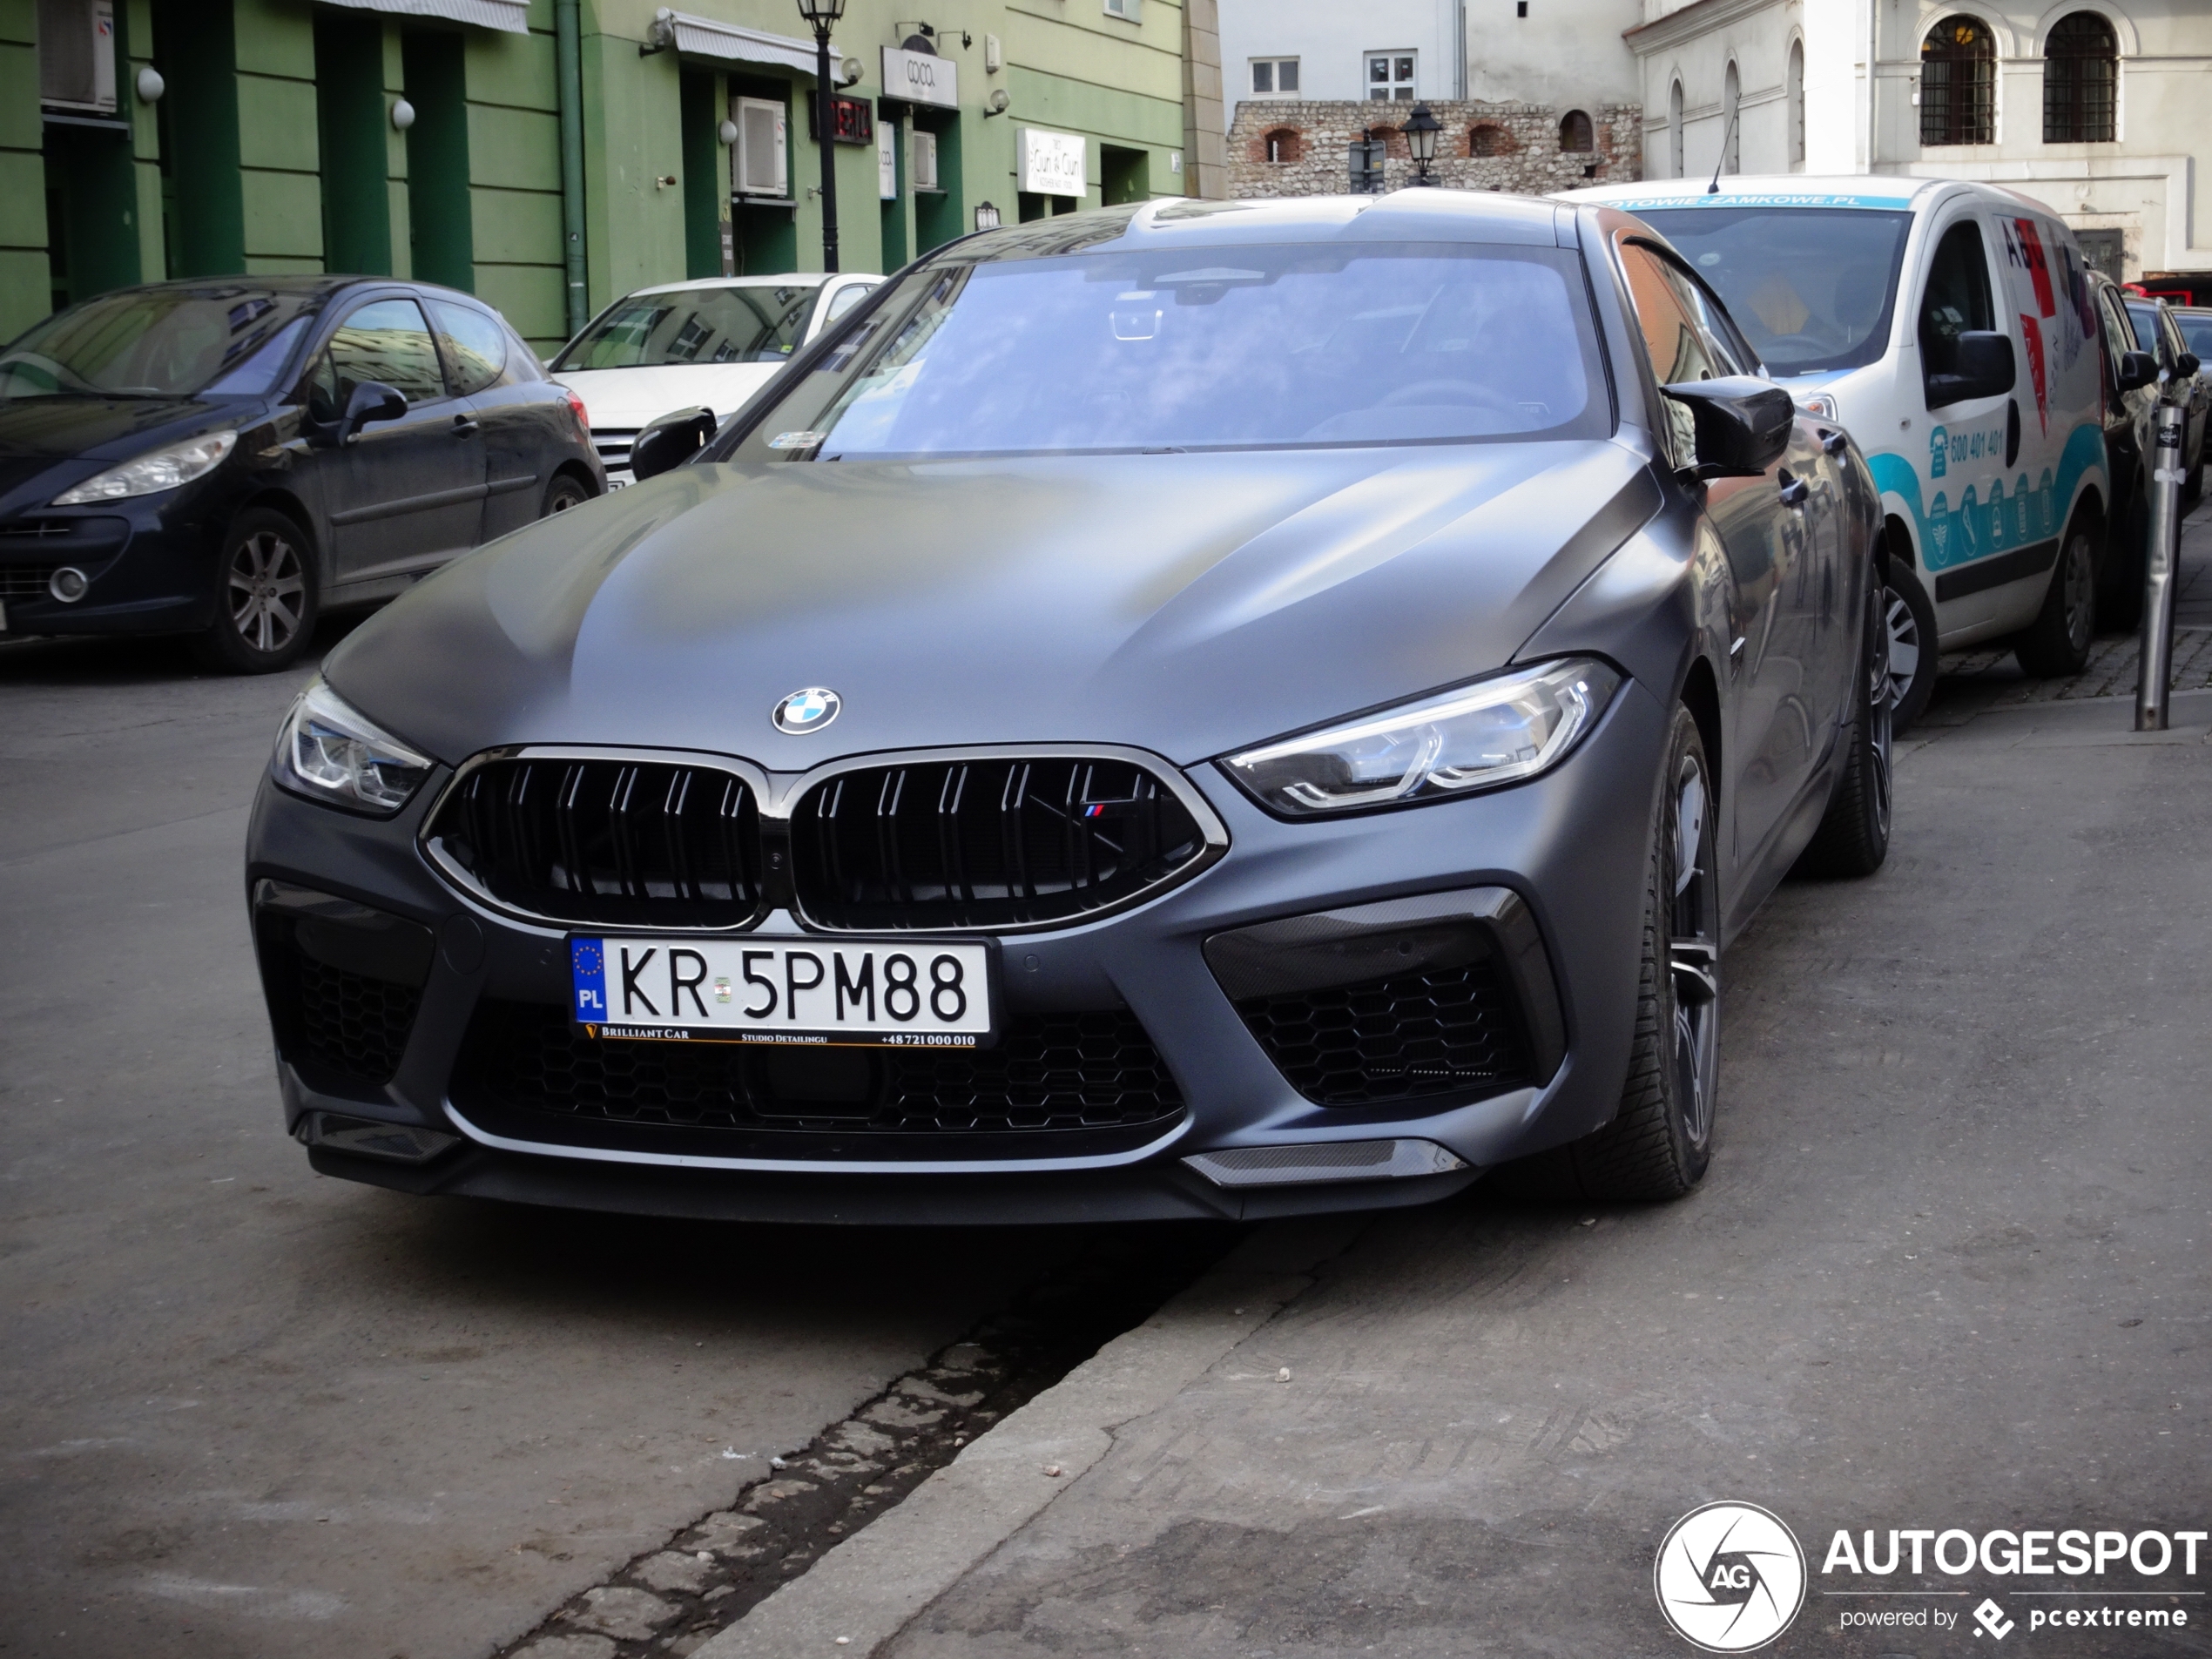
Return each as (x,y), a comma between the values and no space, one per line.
(807,710)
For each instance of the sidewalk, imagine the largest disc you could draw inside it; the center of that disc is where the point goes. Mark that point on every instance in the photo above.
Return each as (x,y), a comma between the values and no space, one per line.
(1949,1270)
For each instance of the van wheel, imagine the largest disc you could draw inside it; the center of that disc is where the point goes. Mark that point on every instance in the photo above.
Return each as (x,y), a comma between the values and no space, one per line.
(266,596)
(1911,624)
(2057,642)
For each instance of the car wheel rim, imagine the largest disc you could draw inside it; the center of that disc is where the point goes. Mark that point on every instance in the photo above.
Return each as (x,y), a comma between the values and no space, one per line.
(2080,584)
(1903,631)
(1693,953)
(1882,693)
(268,591)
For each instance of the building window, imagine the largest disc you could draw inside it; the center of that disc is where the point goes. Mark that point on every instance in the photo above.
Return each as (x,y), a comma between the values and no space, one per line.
(1959,82)
(1284,145)
(1129,9)
(1489,140)
(1274,76)
(1576,136)
(2081,81)
(1390,75)
(1796,90)
(1674,132)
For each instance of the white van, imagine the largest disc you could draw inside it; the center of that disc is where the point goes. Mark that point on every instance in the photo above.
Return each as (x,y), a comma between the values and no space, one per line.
(1950,329)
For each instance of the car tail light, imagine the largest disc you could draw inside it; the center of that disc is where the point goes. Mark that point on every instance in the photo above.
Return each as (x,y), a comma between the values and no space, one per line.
(583,415)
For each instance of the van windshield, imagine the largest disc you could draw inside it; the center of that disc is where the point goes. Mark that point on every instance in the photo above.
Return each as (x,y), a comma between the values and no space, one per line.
(1812,287)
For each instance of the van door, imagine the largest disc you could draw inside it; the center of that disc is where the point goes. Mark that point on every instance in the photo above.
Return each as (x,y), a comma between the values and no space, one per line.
(2055,397)
(1967,436)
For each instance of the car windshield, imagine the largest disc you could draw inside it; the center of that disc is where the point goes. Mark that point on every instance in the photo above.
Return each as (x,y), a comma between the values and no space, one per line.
(222,339)
(1812,287)
(752,324)
(1209,348)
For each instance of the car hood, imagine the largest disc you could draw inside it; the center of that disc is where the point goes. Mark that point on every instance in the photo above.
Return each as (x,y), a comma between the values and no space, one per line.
(107,428)
(628,398)
(1189,604)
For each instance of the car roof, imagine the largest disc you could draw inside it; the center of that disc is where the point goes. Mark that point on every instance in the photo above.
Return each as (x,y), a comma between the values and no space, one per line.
(1409,215)
(786,280)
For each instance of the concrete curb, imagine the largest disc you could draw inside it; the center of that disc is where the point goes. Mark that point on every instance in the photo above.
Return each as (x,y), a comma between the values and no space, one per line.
(870,1586)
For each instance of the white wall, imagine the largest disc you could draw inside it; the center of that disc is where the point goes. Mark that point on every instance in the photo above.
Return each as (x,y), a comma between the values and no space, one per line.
(1567,53)
(1331,39)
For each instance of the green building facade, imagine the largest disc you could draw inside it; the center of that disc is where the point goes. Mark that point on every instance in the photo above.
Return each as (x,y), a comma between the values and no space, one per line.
(484,143)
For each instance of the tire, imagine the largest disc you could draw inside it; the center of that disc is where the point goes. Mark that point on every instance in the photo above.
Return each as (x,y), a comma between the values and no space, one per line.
(2057,642)
(1912,622)
(1659,1143)
(565,491)
(266,598)
(1853,839)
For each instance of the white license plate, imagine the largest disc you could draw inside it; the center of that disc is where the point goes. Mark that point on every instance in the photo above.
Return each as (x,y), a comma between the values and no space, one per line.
(901,994)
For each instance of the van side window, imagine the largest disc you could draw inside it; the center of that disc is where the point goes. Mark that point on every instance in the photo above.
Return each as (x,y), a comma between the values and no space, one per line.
(1957,300)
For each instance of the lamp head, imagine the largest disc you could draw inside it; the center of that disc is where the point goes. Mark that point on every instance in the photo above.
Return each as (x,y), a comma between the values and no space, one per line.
(821,14)
(1420,129)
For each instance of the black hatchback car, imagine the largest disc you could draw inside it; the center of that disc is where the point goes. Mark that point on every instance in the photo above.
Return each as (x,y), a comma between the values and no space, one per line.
(224,457)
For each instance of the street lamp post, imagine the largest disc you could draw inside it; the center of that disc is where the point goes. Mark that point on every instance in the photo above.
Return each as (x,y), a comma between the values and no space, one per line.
(1421,128)
(821,16)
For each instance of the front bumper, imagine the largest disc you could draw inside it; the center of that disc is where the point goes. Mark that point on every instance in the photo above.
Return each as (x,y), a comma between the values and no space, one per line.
(1570,847)
(148,565)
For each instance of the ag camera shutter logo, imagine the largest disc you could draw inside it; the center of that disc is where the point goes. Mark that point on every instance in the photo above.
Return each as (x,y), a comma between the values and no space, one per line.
(1730,1577)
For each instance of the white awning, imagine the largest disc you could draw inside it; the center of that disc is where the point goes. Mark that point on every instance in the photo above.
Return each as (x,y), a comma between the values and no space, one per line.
(511,15)
(705,37)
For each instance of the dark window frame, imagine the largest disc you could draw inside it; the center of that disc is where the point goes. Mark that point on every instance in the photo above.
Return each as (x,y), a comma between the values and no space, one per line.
(2081,80)
(1959,82)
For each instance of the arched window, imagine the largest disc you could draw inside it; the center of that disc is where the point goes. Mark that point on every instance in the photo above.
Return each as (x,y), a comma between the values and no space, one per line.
(1732,128)
(1959,82)
(1576,135)
(1797,104)
(1673,132)
(1489,140)
(1284,144)
(2081,81)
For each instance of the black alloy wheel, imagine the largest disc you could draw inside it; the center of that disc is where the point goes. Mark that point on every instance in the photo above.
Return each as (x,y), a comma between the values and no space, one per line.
(1853,839)
(565,491)
(2057,642)
(1660,1142)
(1911,625)
(266,599)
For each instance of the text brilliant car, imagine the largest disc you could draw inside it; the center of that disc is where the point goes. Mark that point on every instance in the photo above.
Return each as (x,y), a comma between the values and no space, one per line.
(1191,709)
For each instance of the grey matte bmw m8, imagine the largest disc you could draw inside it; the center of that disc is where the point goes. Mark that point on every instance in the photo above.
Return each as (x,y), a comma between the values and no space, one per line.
(1188,709)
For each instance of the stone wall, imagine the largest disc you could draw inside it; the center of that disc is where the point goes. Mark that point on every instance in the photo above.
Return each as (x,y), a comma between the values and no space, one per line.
(1512,147)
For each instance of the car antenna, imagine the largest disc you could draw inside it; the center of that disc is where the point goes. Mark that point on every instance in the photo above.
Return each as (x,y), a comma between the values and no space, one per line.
(1714,189)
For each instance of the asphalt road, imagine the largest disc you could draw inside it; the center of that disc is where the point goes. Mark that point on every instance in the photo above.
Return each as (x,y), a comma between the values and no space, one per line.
(245,1410)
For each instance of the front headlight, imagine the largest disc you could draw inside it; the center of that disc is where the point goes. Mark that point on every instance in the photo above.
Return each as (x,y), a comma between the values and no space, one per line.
(330,752)
(161,469)
(1498,731)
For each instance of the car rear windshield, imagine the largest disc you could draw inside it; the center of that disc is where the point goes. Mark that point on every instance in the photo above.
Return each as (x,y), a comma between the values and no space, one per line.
(221,339)
(1812,287)
(739,325)
(1208,348)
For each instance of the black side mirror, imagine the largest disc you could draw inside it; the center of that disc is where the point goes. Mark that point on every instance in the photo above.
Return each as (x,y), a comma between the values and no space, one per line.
(669,442)
(370,400)
(2137,369)
(1982,367)
(2185,365)
(1743,424)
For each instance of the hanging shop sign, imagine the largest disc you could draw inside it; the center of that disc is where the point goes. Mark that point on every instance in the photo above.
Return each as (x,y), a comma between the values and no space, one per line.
(920,77)
(1051,164)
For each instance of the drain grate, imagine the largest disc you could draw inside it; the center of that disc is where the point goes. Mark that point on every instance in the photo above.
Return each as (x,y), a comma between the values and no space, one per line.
(669,1601)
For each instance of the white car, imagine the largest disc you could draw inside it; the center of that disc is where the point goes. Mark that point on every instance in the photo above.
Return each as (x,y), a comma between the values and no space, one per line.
(714,342)
(1953,329)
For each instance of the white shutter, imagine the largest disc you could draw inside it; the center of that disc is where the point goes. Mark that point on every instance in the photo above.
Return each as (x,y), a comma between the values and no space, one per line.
(761,169)
(925,155)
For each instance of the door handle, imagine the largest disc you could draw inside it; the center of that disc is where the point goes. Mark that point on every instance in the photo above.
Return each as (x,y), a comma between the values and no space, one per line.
(1794,491)
(463,427)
